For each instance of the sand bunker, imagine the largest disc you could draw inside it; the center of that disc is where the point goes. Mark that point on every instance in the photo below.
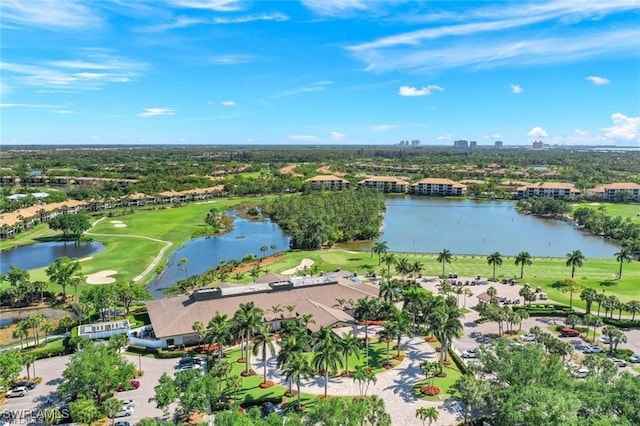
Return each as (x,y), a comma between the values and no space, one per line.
(102,277)
(304,263)
(119,225)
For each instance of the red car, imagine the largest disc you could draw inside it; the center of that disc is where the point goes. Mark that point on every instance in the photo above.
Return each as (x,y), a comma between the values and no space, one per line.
(569,332)
(133,384)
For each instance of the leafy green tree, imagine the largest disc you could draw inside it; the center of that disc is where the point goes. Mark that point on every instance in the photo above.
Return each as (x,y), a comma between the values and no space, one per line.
(523,259)
(571,286)
(444,257)
(111,406)
(62,271)
(84,410)
(494,259)
(72,225)
(127,293)
(95,372)
(10,366)
(575,260)
(470,391)
(165,393)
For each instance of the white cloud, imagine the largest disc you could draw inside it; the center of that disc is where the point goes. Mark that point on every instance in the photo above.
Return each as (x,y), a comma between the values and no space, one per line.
(231,59)
(445,137)
(313,87)
(275,16)
(515,88)
(505,34)
(49,14)
(598,81)
(624,128)
(336,7)
(304,138)
(153,112)
(538,132)
(384,127)
(216,5)
(34,106)
(413,91)
(74,74)
(336,136)
(228,103)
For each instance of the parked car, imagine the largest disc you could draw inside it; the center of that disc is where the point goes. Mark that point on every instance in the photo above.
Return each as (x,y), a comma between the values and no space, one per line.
(26,383)
(635,358)
(268,408)
(122,423)
(592,349)
(126,402)
(619,362)
(469,353)
(569,332)
(581,373)
(17,392)
(529,337)
(125,411)
(189,361)
(133,384)
(188,367)
(606,340)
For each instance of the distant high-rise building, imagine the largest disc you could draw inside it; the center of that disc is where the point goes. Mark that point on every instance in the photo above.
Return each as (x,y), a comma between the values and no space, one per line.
(461,144)
(538,145)
(498,144)
(473,144)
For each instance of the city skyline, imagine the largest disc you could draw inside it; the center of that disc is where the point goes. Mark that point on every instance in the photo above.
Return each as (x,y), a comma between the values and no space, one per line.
(320,72)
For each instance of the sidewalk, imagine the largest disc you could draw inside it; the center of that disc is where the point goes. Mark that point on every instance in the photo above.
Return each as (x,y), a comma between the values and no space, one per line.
(393,386)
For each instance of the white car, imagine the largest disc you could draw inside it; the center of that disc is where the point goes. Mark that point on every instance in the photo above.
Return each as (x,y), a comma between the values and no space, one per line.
(469,353)
(581,373)
(619,362)
(592,349)
(635,358)
(125,411)
(128,402)
(529,337)
(17,392)
(606,340)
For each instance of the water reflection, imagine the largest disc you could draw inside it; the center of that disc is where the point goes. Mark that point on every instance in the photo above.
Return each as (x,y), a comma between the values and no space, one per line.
(43,254)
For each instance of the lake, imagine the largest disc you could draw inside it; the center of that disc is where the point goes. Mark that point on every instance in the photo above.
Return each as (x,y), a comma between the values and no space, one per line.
(43,254)
(463,226)
(205,253)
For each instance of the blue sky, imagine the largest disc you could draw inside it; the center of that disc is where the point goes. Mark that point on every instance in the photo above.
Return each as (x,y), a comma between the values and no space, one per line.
(319,72)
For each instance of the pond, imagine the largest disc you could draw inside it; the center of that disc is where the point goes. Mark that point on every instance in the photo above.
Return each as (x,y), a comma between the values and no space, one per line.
(43,254)
(204,253)
(463,226)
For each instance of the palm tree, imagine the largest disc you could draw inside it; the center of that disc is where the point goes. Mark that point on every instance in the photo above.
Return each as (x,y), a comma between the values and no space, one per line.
(261,344)
(624,255)
(264,250)
(380,248)
(389,259)
(403,267)
(218,331)
(388,334)
(296,369)
(390,291)
(444,324)
(247,319)
(571,286)
(326,354)
(350,345)
(238,277)
(364,376)
(427,414)
(444,257)
(494,259)
(589,295)
(198,327)
(61,271)
(21,331)
(274,248)
(365,309)
(574,260)
(416,268)
(523,259)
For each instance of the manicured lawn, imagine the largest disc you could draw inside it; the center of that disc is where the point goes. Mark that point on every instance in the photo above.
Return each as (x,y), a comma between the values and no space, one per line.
(444,383)
(615,209)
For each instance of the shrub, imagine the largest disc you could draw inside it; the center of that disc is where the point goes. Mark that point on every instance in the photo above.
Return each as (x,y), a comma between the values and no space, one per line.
(164,354)
(430,390)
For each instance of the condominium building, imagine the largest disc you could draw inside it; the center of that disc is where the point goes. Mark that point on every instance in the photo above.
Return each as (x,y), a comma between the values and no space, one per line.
(328,182)
(548,189)
(438,186)
(385,184)
(609,191)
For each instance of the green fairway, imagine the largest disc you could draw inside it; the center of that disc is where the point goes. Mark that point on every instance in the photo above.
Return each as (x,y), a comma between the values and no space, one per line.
(614,209)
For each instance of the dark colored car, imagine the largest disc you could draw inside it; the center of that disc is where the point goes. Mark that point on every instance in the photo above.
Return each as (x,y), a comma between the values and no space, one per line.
(569,332)
(268,408)
(26,383)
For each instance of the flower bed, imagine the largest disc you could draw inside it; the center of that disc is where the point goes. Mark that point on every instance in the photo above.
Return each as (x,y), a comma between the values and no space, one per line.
(430,390)
(267,384)
(430,339)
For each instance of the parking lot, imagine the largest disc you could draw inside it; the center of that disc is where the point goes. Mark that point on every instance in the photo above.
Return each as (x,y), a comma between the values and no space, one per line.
(28,408)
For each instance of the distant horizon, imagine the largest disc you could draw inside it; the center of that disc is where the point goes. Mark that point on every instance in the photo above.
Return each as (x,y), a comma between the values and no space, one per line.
(319,72)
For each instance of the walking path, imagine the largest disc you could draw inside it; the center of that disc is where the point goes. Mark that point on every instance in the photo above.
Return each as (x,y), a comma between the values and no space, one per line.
(151,267)
(393,386)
